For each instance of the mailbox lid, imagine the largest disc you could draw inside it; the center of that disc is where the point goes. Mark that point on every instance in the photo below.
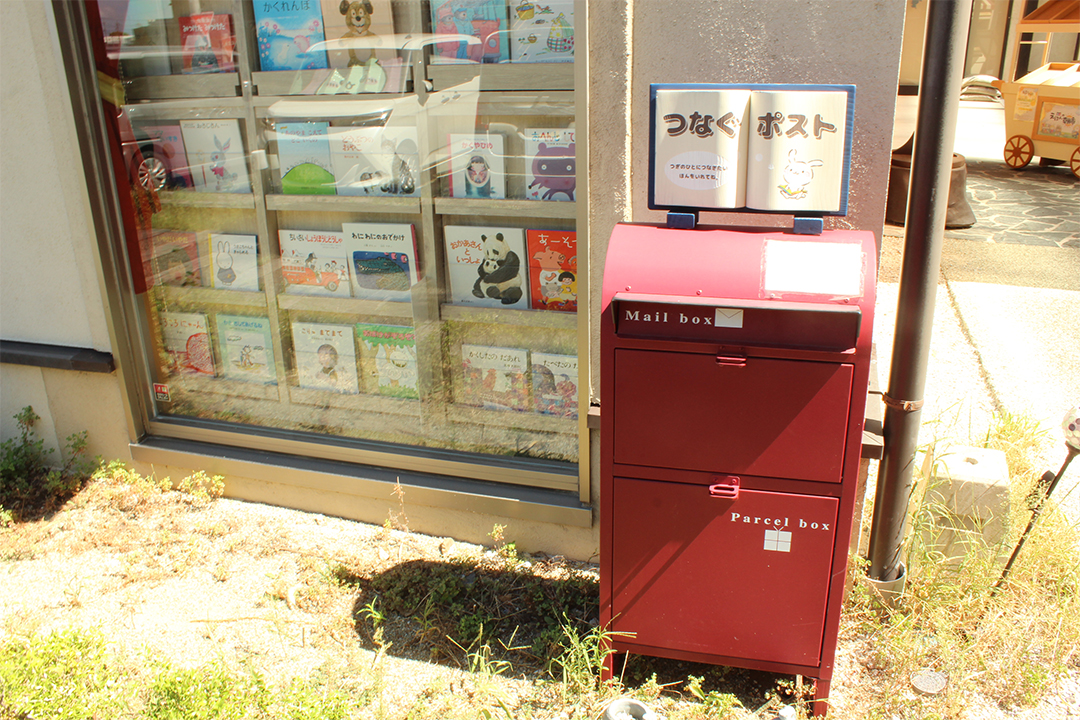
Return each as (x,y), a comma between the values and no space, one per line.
(745,577)
(744,416)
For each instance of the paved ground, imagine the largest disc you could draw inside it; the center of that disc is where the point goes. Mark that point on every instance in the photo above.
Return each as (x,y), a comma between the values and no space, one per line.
(1007,323)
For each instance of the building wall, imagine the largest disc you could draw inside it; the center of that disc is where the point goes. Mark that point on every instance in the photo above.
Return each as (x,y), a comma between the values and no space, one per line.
(46,214)
(49,290)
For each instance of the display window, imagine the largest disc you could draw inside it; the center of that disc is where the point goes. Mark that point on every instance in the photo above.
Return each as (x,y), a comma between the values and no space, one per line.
(349,228)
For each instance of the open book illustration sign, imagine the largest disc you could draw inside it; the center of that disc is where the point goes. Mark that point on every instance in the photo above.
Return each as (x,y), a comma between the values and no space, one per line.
(771,148)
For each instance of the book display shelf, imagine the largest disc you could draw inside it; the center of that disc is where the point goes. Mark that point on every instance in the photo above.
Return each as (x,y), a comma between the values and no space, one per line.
(359,225)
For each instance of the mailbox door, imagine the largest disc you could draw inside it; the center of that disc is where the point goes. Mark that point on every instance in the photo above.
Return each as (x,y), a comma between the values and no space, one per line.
(745,416)
(746,577)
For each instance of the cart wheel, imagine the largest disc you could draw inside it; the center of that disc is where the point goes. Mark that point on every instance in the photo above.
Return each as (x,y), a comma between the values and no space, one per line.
(1074,163)
(1018,151)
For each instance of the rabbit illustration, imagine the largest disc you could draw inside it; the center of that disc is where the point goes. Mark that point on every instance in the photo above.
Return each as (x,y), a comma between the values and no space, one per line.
(797,175)
(224,262)
(217,164)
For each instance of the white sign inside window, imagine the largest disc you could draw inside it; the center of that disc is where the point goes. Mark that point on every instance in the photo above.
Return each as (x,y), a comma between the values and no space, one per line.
(816,268)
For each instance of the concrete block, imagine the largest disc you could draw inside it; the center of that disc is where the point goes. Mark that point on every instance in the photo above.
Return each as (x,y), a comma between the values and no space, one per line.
(968,497)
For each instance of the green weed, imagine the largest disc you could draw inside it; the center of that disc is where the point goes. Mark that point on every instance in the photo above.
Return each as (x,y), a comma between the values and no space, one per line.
(30,485)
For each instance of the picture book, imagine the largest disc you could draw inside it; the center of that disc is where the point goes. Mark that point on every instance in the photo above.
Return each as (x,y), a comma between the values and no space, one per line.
(541,32)
(207,43)
(382,260)
(382,161)
(313,262)
(476,166)
(495,378)
(359,33)
(246,348)
(554,384)
(215,152)
(286,30)
(782,150)
(236,261)
(325,357)
(186,343)
(169,139)
(550,164)
(472,20)
(552,269)
(304,159)
(486,266)
(175,258)
(388,360)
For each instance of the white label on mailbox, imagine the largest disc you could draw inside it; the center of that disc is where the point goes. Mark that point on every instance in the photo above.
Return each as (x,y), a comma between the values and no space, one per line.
(817,268)
(778,540)
(728,318)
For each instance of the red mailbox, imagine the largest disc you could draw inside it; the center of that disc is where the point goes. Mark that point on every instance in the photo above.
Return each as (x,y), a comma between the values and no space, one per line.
(734,376)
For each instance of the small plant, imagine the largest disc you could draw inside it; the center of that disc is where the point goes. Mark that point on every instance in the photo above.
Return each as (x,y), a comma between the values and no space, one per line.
(506,550)
(201,489)
(29,484)
(718,704)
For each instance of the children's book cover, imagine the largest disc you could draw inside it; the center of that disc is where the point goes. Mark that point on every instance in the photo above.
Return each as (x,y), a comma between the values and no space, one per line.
(554,384)
(550,164)
(325,357)
(359,34)
(553,269)
(286,30)
(481,26)
(171,142)
(388,360)
(495,377)
(186,343)
(541,32)
(304,159)
(382,260)
(207,43)
(175,258)
(215,151)
(477,166)
(487,266)
(381,161)
(236,261)
(313,262)
(246,348)
(796,155)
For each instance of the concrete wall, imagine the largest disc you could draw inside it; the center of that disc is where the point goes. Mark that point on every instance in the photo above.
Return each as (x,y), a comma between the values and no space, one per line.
(49,290)
(797,41)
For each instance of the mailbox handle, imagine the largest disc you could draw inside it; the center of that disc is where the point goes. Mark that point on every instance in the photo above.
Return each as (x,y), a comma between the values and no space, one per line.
(728,489)
(731,360)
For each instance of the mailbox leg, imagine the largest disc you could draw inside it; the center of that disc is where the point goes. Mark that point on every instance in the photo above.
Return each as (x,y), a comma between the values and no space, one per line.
(613,665)
(821,697)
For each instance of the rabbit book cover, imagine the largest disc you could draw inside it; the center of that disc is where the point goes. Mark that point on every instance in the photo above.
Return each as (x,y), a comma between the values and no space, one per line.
(215,150)
(236,262)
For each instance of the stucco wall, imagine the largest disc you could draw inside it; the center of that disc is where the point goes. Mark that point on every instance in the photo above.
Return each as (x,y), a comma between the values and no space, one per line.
(49,291)
(796,41)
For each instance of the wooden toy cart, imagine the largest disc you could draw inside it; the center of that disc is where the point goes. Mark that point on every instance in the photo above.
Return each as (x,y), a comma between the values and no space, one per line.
(1042,116)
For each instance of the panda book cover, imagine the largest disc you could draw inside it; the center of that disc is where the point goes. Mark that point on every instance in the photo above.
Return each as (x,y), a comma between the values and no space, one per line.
(477,166)
(487,266)
(550,164)
(382,259)
(286,31)
(553,269)
(235,261)
(246,348)
(494,378)
(325,357)
(388,360)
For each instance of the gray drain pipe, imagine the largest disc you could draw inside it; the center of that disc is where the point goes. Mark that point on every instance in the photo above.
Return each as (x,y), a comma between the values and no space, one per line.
(928,195)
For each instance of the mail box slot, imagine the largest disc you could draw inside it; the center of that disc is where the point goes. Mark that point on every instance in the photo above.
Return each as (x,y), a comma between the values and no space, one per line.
(734,369)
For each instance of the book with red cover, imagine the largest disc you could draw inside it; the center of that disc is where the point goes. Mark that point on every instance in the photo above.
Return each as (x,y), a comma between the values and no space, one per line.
(553,269)
(208,43)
